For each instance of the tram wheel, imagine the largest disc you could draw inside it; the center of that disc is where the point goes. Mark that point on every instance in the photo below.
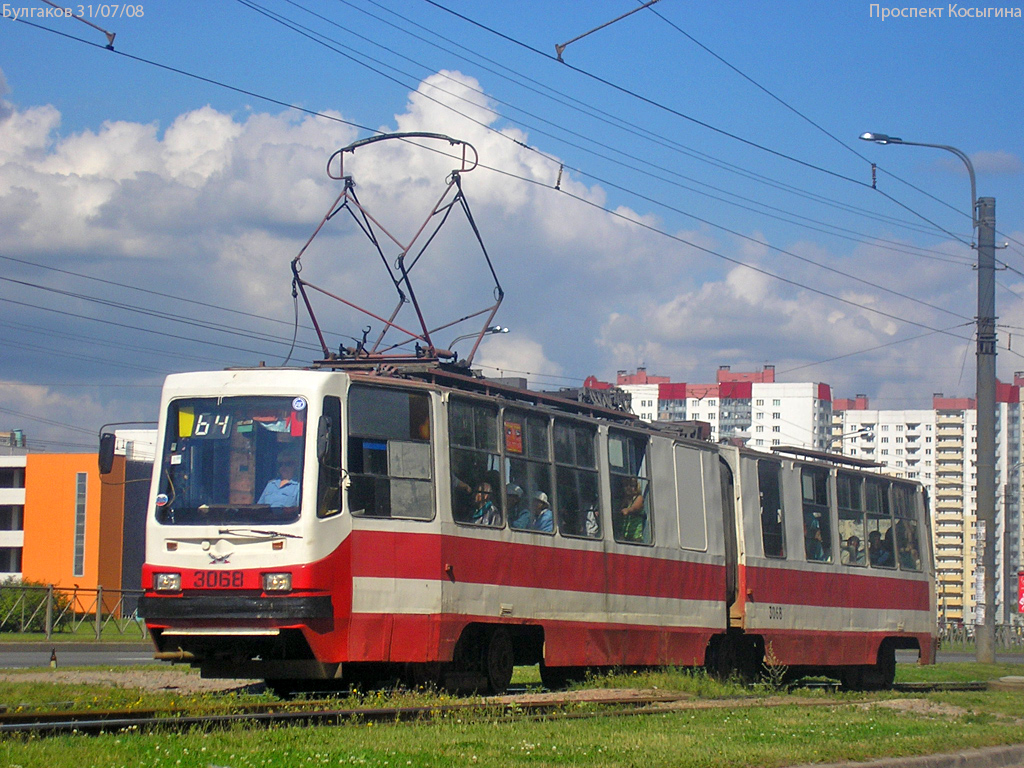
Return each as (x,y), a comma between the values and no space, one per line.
(499,661)
(881,676)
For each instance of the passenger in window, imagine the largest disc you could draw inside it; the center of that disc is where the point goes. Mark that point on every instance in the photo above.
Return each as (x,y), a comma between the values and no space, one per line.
(853,552)
(591,523)
(485,512)
(879,554)
(518,513)
(634,516)
(906,540)
(541,516)
(282,491)
(814,547)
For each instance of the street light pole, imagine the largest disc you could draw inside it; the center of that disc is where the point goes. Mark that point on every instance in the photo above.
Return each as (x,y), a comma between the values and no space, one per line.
(983,217)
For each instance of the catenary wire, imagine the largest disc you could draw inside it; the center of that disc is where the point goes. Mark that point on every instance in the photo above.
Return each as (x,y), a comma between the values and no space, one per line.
(331,117)
(635,130)
(315,37)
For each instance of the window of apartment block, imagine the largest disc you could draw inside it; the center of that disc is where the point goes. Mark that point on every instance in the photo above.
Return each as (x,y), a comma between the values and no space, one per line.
(10,559)
(11,518)
(80,489)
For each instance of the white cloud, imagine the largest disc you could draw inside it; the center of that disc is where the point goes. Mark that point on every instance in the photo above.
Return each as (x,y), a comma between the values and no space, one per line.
(998,162)
(213,208)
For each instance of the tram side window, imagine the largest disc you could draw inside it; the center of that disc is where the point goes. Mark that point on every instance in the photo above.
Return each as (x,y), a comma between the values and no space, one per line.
(817,523)
(475,463)
(850,500)
(389,453)
(908,548)
(329,453)
(627,459)
(769,484)
(576,485)
(879,521)
(528,467)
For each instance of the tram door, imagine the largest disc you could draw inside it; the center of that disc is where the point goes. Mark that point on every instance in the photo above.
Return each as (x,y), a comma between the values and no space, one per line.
(729,522)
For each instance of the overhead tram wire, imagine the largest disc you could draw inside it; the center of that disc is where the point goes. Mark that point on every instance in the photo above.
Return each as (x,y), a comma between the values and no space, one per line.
(160,294)
(651,102)
(757,85)
(562,98)
(340,120)
(761,270)
(266,338)
(316,38)
(822,227)
(49,351)
(871,349)
(690,118)
(67,335)
(50,422)
(532,181)
(804,117)
(131,327)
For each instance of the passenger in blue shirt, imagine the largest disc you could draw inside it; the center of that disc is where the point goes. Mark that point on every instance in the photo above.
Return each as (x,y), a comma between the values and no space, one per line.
(541,516)
(283,490)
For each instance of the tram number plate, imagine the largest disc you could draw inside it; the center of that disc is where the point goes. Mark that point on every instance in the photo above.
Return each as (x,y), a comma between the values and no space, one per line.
(775,612)
(217,579)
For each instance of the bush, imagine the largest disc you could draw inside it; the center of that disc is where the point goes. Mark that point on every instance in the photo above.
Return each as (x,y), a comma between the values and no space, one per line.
(23,605)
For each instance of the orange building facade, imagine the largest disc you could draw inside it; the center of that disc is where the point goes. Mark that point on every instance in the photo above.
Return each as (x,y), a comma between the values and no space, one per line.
(81,528)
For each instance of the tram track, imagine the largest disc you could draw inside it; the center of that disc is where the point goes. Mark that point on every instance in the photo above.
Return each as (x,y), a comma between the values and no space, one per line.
(320,713)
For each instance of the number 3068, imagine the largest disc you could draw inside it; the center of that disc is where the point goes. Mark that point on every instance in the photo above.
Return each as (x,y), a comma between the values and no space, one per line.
(217,579)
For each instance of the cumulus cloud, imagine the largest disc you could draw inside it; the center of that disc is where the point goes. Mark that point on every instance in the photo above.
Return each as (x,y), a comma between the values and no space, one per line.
(203,216)
(1000,162)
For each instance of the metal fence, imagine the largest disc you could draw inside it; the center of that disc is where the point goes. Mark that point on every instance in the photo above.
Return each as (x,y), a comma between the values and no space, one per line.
(1009,637)
(48,609)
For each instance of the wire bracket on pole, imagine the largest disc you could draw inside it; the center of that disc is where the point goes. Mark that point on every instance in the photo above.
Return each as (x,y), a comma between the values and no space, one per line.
(109,35)
(560,47)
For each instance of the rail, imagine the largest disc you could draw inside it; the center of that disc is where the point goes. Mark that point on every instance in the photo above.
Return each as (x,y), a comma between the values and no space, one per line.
(49,609)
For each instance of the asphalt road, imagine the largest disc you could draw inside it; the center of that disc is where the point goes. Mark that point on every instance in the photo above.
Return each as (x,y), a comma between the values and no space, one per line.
(26,655)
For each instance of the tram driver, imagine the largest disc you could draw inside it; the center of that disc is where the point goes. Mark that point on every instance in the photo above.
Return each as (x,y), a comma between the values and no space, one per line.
(282,491)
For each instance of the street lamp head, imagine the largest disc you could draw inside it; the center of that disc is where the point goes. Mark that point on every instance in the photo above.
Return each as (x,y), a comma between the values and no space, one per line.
(881,138)
(497,329)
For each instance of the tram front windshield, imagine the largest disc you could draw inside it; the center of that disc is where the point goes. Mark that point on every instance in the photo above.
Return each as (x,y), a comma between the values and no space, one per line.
(232,460)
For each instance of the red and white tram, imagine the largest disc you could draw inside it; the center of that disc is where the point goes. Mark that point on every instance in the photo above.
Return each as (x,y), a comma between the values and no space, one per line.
(445,528)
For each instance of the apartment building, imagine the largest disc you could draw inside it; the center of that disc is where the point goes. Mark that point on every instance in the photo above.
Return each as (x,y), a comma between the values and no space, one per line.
(938,447)
(749,407)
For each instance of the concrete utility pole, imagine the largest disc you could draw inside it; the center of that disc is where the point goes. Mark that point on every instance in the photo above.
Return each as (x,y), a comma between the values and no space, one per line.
(983,216)
(985,631)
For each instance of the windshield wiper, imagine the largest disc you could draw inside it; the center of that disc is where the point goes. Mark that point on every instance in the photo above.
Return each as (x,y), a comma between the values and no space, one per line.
(256,532)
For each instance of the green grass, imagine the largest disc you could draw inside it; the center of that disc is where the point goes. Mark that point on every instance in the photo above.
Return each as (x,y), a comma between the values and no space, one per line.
(84,633)
(955,672)
(820,726)
(748,736)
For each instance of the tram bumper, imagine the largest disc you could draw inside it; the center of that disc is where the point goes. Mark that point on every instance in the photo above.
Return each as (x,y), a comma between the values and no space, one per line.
(241,636)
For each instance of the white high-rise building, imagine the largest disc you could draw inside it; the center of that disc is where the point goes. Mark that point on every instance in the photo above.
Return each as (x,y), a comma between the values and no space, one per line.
(938,448)
(750,407)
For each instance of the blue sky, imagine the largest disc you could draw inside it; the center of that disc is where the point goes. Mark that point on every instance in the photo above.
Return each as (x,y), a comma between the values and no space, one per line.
(189,199)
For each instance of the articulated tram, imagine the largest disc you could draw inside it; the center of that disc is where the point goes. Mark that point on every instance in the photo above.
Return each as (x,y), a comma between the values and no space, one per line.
(318,527)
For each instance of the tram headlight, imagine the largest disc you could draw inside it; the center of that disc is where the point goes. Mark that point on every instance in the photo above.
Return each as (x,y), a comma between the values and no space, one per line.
(167,582)
(277,582)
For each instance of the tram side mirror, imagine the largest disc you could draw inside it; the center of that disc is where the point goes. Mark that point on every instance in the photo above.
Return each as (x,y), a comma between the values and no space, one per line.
(107,440)
(323,439)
